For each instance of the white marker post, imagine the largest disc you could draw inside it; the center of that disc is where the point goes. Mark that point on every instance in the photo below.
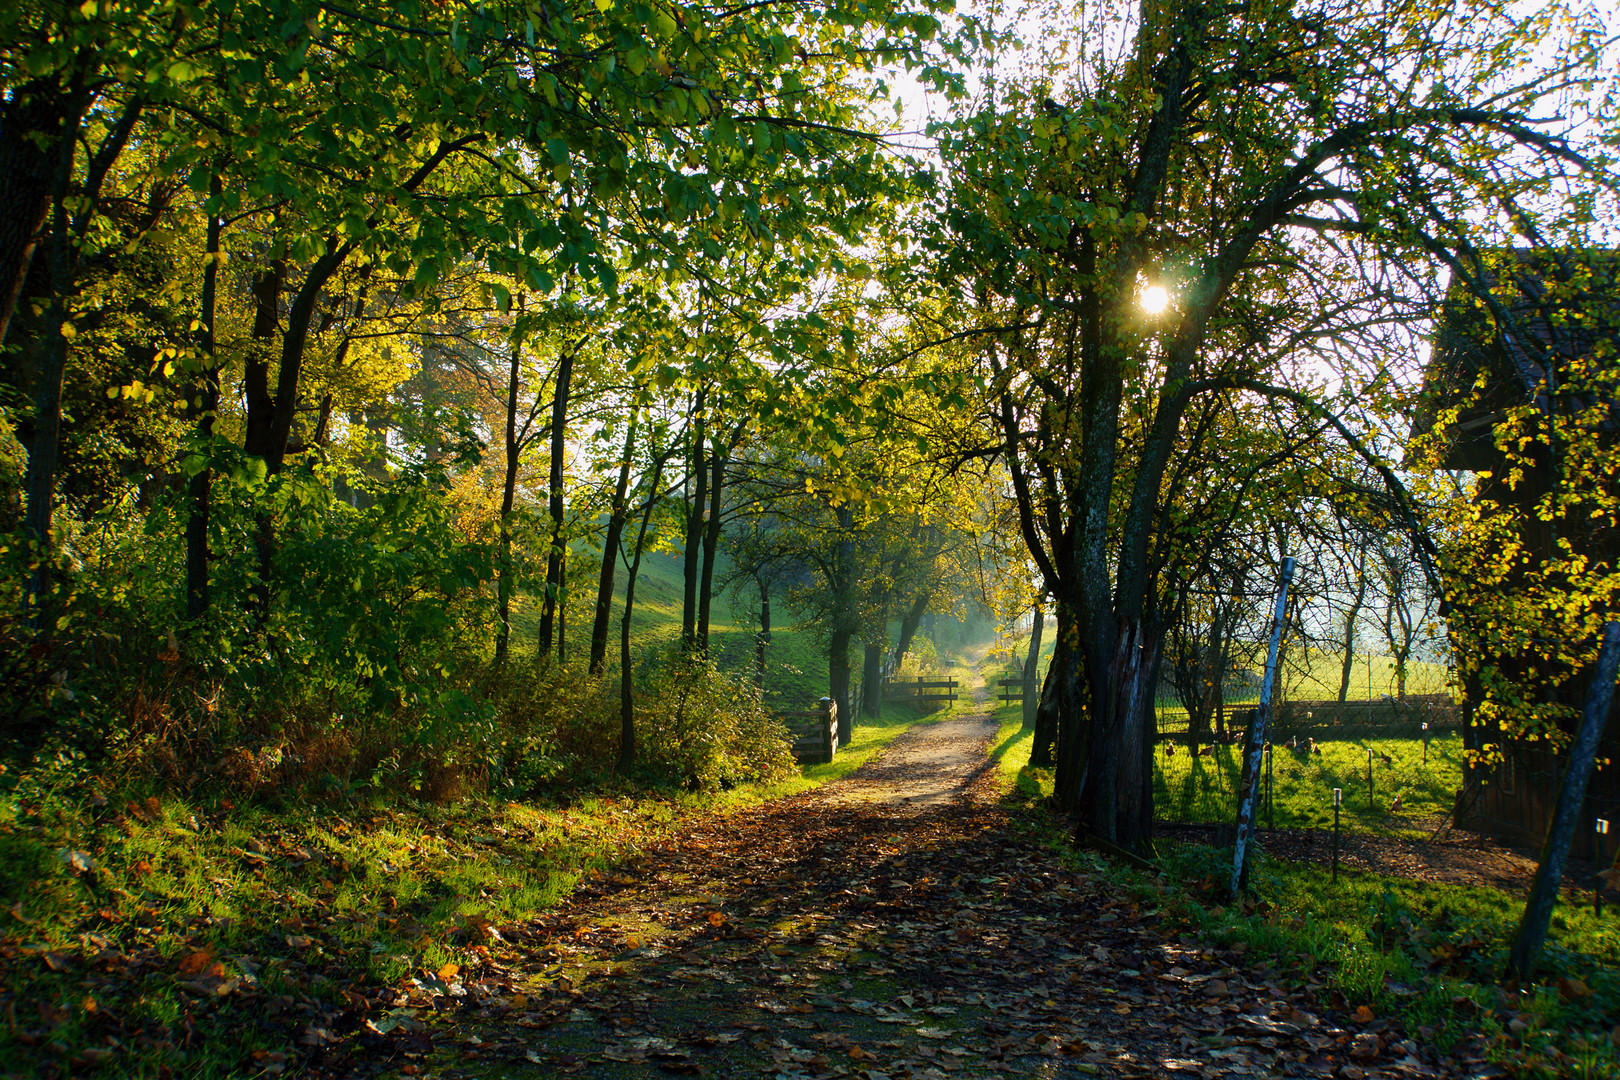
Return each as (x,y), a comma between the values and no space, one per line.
(1601,828)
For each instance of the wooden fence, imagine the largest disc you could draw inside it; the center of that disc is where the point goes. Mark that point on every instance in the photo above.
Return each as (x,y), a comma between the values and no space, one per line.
(815,732)
(921,690)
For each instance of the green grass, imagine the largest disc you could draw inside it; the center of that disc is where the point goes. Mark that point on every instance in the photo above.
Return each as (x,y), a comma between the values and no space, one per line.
(1425,953)
(1428,955)
(1187,788)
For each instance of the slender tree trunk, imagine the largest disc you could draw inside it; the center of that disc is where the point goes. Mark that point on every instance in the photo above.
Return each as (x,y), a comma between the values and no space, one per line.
(202,483)
(562,609)
(610,553)
(1032,663)
(699,476)
(627,675)
(838,677)
(1538,908)
(506,572)
(872,680)
(1348,638)
(763,639)
(554,485)
(711,544)
(909,624)
(266,291)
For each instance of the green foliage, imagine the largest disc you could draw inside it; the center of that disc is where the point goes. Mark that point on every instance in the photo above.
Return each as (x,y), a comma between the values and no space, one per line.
(707,729)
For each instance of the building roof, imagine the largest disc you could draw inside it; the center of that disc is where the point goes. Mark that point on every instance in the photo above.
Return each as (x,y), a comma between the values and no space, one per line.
(1547,310)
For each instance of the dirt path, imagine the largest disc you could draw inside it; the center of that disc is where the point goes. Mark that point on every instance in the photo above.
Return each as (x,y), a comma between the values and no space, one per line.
(889,926)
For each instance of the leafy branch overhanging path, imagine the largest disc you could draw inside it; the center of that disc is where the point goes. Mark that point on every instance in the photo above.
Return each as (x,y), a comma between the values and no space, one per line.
(894,924)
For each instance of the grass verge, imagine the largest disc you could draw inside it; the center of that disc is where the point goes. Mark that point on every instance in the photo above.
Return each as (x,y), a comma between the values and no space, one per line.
(1426,955)
(149,934)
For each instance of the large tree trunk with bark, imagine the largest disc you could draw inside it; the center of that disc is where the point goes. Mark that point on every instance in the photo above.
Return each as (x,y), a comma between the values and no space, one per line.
(1116,795)
(1060,721)
(34,120)
(554,484)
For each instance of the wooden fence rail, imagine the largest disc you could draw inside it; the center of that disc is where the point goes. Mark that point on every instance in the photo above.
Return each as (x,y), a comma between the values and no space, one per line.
(815,732)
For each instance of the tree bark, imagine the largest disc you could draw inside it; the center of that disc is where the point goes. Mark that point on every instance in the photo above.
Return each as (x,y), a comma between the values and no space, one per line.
(610,553)
(43,454)
(1032,663)
(691,541)
(1349,637)
(1532,935)
(711,543)
(1060,721)
(34,120)
(909,624)
(872,680)
(627,680)
(505,572)
(554,493)
(764,637)
(838,676)
(201,485)
(1115,797)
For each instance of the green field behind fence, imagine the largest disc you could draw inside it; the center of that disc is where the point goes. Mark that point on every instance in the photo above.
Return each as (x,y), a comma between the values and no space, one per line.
(1189,788)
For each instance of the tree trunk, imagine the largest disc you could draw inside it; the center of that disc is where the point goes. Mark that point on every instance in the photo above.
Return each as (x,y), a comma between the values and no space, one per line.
(699,476)
(1032,663)
(872,680)
(908,626)
(711,544)
(35,121)
(1115,796)
(1526,953)
(838,677)
(562,609)
(201,485)
(44,453)
(1062,714)
(1349,638)
(627,674)
(764,637)
(554,485)
(505,572)
(610,553)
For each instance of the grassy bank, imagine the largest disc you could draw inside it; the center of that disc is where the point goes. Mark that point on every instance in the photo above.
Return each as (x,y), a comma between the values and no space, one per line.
(155,934)
(1426,956)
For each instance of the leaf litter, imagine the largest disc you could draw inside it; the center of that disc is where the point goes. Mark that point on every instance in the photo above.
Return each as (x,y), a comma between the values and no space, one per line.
(816,936)
(824,937)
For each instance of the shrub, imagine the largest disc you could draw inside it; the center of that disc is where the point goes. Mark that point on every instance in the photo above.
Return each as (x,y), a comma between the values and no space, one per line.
(705,728)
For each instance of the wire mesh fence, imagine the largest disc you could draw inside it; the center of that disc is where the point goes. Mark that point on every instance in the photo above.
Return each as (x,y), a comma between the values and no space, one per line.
(1393,748)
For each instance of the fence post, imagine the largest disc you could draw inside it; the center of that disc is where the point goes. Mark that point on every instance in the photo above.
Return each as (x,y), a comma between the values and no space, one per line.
(1257,738)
